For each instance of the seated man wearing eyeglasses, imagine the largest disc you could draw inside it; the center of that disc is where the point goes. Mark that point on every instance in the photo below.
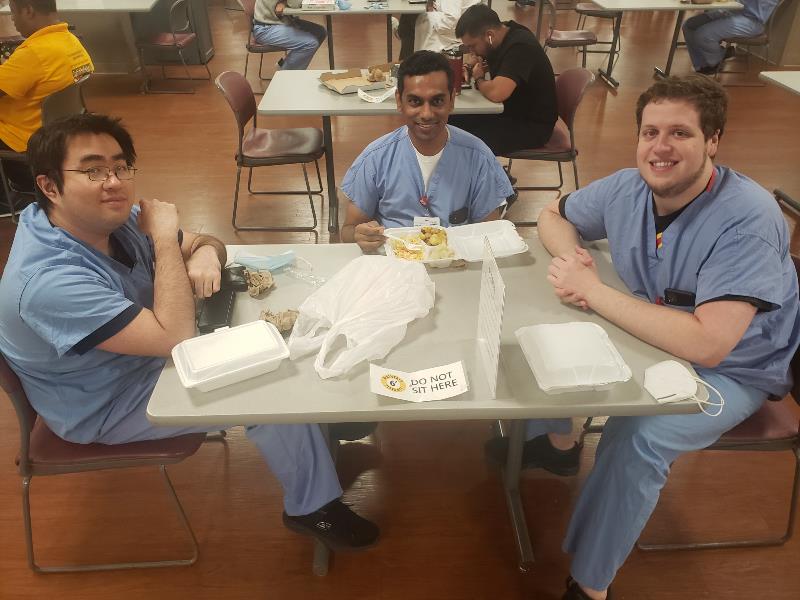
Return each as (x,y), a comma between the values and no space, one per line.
(95,294)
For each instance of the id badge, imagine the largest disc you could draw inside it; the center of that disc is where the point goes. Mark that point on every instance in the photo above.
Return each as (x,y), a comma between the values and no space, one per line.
(426,221)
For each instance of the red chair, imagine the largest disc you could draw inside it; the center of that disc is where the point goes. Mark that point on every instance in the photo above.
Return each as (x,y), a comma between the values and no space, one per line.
(179,37)
(252,46)
(570,87)
(42,453)
(260,147)
(559,38)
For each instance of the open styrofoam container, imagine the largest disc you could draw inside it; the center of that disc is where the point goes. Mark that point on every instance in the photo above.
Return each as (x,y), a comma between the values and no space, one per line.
(467,240)
(403,232)
(229,355)
(571,357)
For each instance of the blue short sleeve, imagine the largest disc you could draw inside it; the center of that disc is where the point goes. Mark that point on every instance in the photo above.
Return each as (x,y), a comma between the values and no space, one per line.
(492,188)
(587,207)
(743,264)
(64,305)
(361,187)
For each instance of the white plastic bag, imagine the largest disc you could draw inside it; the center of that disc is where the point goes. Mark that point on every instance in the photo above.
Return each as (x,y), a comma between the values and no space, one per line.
(369,302)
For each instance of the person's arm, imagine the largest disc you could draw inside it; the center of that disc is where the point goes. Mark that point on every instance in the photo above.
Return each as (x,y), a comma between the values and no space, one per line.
(172,320)
(444,15)
(360,228)
(498,89)
(558,236)
(704,337)
(204,256)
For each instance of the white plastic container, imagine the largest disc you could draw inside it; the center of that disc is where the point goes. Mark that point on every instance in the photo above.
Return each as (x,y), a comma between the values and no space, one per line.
(571,357)
(436,263)
(230,355)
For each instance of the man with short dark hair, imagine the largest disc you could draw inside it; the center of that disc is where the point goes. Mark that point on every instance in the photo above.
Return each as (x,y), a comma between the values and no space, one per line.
(521,77)
(96,293)
(704,251)
(424,169)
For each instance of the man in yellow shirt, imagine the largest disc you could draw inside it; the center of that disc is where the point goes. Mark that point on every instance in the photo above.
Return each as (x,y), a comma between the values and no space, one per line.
(49,60)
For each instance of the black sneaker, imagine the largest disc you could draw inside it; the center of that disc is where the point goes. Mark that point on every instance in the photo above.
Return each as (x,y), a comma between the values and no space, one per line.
(537,453)
(574,592)
(336,526)
(709,71)
(350,432)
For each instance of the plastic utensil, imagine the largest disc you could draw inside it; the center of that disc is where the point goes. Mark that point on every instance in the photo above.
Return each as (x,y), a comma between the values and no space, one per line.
(406,243)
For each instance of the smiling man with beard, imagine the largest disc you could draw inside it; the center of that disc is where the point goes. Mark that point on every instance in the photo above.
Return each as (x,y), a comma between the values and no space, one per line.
(426,168)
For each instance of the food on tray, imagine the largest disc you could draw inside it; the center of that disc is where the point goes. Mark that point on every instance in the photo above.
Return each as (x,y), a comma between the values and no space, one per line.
(432,239)
(258,282)
(375,74)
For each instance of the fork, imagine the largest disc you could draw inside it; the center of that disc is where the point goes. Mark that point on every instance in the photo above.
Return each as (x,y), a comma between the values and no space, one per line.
(406,243)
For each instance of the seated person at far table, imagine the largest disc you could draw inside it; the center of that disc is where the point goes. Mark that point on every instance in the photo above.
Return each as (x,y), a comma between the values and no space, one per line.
(435,29)
(424,169)
(97,292)
(704,251)
(704,32)
(521,78)
(49,60)
(301,38)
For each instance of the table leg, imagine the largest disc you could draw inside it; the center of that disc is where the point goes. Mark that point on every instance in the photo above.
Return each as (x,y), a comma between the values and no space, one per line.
(540,12)
(606,75)
(321,553)
(389,39)
(329,27)
(672,46)
(333,196)
(511,474)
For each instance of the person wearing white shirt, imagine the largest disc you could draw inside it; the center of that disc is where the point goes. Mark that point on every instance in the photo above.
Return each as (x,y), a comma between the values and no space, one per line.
(433,30)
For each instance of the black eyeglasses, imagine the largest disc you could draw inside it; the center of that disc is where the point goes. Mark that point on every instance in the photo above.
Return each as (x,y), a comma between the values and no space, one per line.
(99,174)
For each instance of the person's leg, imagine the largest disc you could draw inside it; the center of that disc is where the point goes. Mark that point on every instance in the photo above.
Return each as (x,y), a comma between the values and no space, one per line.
(405,31)
(703,34)
(632,463)
(299,43)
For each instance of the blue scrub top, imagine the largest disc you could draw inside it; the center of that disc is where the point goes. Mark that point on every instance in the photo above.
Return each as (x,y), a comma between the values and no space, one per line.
(59,298)
(468,183)
(732,240)
(759,10)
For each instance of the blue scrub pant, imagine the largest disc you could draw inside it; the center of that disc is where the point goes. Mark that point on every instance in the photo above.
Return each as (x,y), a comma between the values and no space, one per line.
(300,38)
(704,32)
(631,466)
(296,454)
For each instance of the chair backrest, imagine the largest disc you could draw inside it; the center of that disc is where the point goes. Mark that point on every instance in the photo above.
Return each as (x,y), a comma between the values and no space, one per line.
(570,87)
(239,94)
(26,415)
(180,19)
(64,103)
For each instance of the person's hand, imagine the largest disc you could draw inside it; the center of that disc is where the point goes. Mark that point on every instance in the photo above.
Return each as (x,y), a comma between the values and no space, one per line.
(573,277)
(369,236)
(204,271)
(279,7)
(479,69)
(158,219)
(430,6)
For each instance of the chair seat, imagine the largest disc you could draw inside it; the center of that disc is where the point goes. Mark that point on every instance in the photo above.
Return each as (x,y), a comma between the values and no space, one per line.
(757,40)
(281,146)
(167,39)
(254,46)
(50,453)
(558,144)
(592,10)
(773,421)
(576,37)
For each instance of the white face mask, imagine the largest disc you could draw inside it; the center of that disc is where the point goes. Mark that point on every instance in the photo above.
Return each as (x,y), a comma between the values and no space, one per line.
(670,381)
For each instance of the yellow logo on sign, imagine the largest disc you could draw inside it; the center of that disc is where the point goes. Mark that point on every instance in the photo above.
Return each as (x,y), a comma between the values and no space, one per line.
(393,383)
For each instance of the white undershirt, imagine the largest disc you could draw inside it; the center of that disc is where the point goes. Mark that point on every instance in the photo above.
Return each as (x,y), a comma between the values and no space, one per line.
(427,164)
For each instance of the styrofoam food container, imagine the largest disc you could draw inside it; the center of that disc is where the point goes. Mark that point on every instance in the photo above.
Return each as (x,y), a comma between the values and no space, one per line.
(467,240)
(571,357)
(402,232)
(230,355)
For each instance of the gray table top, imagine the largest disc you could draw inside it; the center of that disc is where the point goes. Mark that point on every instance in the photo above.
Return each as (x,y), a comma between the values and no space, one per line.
(301,93)
(295,393)
(101,6)
(788,80)
(362,7)
(665,5)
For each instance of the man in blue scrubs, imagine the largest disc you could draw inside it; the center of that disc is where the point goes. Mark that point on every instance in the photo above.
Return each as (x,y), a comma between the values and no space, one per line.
(704,251)
(424,169)
(96,293)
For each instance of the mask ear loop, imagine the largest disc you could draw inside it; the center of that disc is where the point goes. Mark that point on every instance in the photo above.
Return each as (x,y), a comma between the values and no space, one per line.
(700,403)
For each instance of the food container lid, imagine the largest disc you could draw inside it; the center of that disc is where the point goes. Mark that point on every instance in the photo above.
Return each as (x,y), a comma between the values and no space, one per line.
(229,350)
(467,240)
(572,356)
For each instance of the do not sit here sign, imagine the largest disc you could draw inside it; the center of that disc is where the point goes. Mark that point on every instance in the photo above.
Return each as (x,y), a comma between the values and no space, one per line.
(420,386)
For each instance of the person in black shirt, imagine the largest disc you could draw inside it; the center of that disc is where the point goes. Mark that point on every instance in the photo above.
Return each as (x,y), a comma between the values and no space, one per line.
(521,78)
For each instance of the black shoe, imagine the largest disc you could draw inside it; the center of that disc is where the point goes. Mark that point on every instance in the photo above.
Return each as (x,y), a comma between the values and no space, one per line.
(537,453)
(710,71)
(336,526)
(730,52)
(574,592)
(350,432)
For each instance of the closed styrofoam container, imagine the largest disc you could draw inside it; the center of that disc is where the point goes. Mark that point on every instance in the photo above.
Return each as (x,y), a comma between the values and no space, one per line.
(230,355)
(571,357)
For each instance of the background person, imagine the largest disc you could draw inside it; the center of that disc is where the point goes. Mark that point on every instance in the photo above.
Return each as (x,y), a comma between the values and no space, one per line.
(301,38)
